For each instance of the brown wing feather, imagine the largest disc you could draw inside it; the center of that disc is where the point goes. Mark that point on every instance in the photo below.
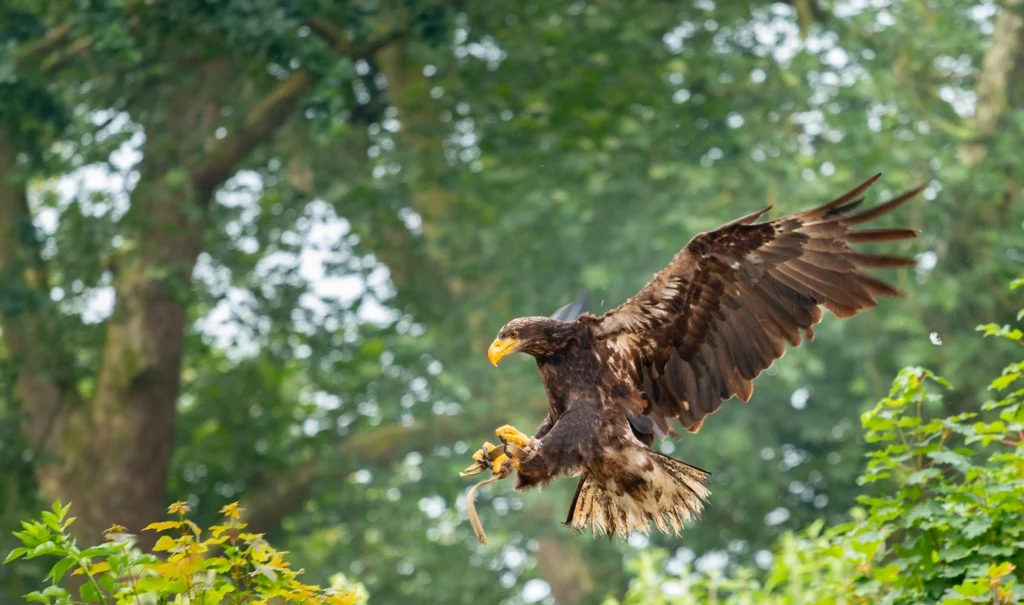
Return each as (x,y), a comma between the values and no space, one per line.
(728,304)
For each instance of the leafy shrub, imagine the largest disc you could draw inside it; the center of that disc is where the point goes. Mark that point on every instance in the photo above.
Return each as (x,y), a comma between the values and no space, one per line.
(228,566)
(949,528)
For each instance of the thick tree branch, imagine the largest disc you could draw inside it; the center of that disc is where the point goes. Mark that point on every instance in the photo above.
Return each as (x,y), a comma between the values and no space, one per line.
(64,56)
(54,51)
(342,43)
(261,122)
(50,42)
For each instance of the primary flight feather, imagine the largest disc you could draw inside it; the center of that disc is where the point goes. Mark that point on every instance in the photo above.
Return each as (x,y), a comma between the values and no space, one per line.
(722,311)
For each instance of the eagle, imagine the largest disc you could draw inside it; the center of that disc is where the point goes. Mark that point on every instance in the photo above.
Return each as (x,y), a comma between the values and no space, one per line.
(699,333)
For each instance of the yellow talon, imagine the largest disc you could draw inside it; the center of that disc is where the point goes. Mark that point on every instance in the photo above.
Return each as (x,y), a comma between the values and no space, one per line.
(511,434)
(515,449)
(499,463)
(481,453)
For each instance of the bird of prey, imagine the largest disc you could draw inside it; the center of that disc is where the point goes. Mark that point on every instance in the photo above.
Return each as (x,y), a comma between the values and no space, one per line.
(699,333)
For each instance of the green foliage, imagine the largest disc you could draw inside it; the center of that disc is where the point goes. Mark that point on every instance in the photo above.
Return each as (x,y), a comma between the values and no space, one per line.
(229,566)
(946,525)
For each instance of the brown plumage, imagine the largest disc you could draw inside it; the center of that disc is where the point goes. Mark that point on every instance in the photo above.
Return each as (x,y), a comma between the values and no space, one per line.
(721,312)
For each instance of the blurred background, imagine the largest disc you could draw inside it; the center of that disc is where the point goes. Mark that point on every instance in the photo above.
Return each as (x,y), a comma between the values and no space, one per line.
(255,250)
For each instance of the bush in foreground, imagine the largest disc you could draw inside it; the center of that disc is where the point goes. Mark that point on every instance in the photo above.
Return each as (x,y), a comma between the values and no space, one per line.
(229,565)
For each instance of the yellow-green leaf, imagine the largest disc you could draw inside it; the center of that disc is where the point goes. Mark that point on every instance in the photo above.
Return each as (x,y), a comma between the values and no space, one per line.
(165,543)
(163,526)
(100,567)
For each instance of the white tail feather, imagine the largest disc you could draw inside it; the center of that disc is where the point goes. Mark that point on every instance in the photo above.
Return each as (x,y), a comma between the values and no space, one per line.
(649,488)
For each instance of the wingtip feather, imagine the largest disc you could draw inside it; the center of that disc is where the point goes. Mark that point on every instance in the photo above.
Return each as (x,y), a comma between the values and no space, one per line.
(873,213)
(853,193)
(872,236)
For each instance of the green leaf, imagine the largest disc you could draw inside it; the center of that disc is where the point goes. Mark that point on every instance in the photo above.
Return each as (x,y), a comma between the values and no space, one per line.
(17,553)
(954,553)
(51,520)
(972,588)
(922,476)
(927,510)
(151,584)
(995,550)
(61,568)
(46,548)
(977,526)
(1004,381)
(90,594)
(56,593)
(951,458)
(108,582)
(104,550)
(886,575)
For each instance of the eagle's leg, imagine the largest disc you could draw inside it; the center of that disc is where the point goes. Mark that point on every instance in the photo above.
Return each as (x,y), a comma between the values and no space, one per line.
(570,443)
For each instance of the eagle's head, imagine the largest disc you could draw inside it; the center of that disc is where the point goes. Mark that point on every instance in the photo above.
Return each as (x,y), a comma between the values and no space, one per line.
(536,336)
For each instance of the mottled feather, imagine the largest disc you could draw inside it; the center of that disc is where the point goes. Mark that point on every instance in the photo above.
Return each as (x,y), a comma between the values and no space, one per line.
(729,302)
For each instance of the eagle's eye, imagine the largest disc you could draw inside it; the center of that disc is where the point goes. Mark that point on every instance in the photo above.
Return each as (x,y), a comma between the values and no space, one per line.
(515,334)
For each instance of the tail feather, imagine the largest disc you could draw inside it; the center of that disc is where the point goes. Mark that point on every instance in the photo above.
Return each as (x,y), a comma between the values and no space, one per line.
(656,490)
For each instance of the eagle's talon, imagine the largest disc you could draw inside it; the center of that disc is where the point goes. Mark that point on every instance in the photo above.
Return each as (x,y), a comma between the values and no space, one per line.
(503,459)
(510,434)
(486,453)
(482,459)
(500,463)
(474,469)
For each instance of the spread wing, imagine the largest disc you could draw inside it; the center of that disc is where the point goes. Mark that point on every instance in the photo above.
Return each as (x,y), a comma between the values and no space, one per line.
(726,306)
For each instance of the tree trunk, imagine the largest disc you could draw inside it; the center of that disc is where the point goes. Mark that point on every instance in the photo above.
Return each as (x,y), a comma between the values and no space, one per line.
(110,456)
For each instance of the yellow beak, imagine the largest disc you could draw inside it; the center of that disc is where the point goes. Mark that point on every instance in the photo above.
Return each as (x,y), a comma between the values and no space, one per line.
(500,348)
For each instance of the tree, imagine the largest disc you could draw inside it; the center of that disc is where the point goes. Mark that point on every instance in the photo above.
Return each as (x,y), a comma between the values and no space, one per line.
(445,167)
